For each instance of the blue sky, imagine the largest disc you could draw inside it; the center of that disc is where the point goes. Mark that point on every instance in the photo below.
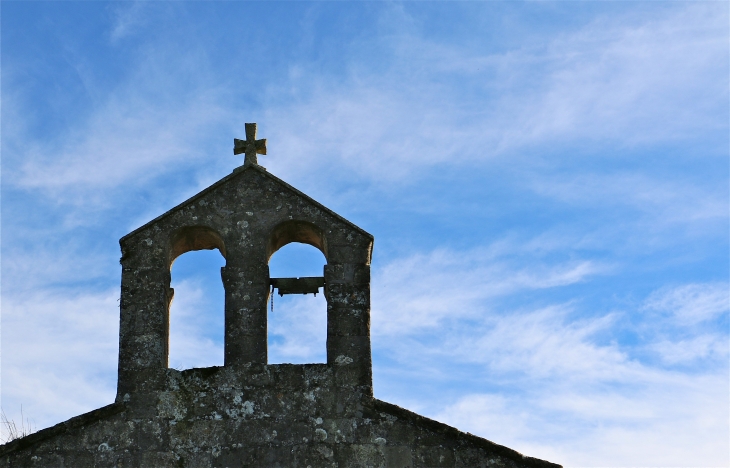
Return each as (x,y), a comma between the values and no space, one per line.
(547,184)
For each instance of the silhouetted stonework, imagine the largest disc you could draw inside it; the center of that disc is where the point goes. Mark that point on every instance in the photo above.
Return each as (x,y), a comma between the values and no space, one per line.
(248,413)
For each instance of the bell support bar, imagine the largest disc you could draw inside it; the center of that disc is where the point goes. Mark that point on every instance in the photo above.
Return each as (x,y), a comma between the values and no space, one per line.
(304,285)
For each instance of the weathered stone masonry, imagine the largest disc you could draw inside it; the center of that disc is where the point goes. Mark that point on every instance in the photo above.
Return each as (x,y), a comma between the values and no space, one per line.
(248,413)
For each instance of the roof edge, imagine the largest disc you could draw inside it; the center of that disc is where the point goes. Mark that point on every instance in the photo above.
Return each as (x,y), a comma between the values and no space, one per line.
(236,172)
(62,427)
(380,405)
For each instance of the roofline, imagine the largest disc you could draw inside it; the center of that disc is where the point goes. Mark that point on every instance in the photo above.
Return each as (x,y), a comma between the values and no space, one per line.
(380,405)
(62,427)
(237,172)
(373,403)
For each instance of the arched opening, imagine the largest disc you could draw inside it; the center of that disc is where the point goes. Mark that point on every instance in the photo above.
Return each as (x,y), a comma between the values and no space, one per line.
(297,325)
(190,238)
(296,231)
(196,333)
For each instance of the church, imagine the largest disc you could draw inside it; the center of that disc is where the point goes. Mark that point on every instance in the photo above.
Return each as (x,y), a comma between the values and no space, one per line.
(248,413)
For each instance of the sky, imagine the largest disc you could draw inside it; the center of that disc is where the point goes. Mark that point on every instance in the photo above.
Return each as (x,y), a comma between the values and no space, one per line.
(547,184)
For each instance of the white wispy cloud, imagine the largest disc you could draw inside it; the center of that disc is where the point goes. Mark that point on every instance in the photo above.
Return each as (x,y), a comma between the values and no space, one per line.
(128,139)
(298,330)
(687,324)
(424,289)
(545,343)
(127,18)
(570,388)
(622,412)
(59,354)
(614,81)
(156,118)
(636,80)
(689,351)
(661,200)
(196,327)
(691,304)
(611,79)
(674,421)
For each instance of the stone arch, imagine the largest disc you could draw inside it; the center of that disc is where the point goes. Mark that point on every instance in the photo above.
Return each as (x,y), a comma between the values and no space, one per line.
(190,238)
(296,231)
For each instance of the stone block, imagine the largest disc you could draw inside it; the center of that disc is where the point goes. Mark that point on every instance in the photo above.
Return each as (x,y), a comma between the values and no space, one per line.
(348,322)
(348,254)
(353,273)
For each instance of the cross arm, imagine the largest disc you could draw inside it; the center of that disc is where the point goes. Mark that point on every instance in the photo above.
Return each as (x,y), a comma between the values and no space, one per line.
(241,146)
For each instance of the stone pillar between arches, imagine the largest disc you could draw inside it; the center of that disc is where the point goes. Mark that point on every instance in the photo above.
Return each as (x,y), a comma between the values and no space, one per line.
(247,293)
(348,323)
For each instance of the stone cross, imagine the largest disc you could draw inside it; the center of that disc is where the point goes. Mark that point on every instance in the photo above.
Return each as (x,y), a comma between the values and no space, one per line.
(250,146)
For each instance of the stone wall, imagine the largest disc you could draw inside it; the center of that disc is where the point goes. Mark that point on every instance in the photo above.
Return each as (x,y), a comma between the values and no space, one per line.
(257,416)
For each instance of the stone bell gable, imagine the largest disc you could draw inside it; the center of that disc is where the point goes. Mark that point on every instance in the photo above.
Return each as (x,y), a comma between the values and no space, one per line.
(248,413)
(247,216)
